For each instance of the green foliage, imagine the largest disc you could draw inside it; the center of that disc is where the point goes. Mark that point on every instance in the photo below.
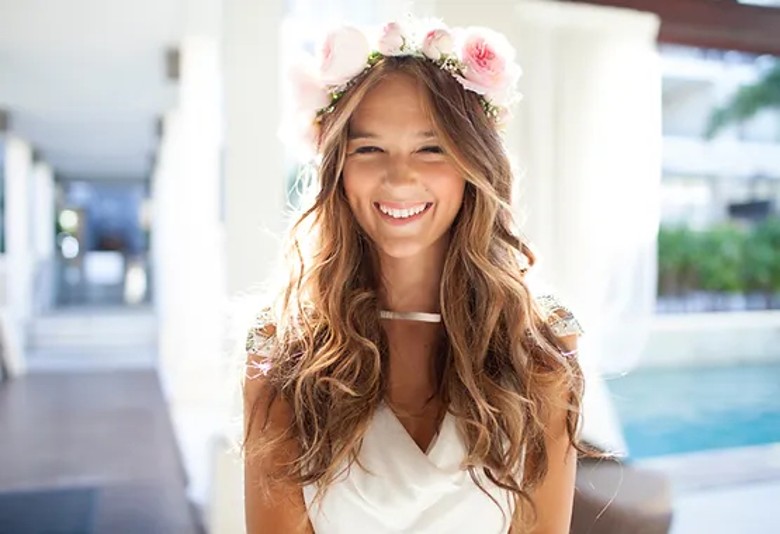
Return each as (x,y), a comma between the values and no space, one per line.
(762,257)
(676,259)
(725,258)
(719,262)
(747,102)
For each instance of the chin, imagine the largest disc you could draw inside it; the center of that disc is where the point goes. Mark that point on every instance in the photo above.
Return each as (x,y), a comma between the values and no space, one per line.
(401,250)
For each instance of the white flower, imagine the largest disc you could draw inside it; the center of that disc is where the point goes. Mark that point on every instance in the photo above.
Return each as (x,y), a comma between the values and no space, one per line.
(392,40)
(437,43)
(344,55)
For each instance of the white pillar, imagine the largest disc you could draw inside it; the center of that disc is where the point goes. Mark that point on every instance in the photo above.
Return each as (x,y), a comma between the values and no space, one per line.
(43,236)
(254,198)
(602,157)
(19,254)
(43,180)
(187,249)
(254,156)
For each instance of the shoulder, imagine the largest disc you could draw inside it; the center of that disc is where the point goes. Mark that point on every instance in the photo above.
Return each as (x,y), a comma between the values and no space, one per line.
(561,320)
(260,339)
(261,332)
(273,502)
(558,315)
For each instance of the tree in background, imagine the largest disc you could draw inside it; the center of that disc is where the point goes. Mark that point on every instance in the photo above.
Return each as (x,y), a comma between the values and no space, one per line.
(747,101)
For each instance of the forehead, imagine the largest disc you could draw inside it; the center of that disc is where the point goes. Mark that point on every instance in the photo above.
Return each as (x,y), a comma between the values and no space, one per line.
(396,100)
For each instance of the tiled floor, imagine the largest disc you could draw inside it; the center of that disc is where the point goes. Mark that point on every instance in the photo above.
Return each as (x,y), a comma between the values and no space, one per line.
(741,509)
(726,491)
(104,429)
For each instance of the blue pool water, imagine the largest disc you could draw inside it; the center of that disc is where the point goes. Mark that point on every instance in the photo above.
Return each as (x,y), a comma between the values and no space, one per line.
(694,409)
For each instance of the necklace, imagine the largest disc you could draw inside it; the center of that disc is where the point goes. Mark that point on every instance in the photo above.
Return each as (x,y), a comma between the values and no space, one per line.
(411,316)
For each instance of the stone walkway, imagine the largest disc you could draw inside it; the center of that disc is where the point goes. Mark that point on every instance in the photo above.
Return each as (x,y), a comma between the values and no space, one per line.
(107,430)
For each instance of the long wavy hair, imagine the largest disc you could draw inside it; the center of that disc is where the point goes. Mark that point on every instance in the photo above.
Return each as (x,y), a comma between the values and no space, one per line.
(500,370)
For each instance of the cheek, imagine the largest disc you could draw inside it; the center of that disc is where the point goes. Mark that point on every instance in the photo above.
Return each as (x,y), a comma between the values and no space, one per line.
(449,187)
(357,188)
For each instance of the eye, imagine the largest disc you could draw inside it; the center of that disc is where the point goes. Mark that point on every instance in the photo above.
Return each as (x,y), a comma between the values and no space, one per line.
(432,149)
(366,150)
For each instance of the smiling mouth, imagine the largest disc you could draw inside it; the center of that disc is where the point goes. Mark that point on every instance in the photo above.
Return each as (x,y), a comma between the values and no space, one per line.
(409,211)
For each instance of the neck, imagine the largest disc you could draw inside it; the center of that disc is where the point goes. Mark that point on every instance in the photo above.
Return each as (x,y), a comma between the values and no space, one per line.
(413,348)
(411,284)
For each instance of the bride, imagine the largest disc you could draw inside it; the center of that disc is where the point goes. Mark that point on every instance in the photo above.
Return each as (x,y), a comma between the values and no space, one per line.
(406,379)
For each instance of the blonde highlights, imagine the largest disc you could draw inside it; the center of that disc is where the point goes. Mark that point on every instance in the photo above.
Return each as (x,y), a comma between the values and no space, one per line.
(500,370)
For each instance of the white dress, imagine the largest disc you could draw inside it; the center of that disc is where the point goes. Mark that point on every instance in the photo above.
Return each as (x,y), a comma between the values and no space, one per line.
(406,490)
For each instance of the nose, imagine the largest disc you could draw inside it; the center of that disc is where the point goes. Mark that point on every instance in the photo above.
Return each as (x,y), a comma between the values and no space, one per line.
(399,172)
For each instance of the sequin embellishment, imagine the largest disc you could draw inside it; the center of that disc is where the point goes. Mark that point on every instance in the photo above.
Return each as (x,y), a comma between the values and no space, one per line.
(560,318)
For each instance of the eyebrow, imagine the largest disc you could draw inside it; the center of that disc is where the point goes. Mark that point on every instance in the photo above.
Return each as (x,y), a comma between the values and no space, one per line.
(357,134)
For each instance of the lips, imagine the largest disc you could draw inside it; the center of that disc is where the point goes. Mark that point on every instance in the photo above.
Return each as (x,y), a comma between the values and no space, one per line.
(400,205)
(397,221)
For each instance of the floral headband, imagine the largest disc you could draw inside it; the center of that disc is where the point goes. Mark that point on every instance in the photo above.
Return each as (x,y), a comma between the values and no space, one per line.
(480,59)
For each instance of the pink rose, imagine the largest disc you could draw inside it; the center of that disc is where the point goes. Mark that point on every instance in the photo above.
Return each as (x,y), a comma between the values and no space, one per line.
(392,40)
(344,55)
(437,43)
(309,93)
(489,64)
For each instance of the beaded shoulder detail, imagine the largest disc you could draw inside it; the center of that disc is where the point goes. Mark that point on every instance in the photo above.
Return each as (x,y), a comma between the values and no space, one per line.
(559,317)
(261,333)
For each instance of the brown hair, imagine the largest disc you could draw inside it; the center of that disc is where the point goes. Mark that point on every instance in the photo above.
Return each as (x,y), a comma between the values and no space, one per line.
(501,375)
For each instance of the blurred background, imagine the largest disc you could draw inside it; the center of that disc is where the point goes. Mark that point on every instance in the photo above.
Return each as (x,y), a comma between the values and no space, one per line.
(143,192)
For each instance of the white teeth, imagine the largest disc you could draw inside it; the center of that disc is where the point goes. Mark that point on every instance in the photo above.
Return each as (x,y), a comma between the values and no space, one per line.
(402,213)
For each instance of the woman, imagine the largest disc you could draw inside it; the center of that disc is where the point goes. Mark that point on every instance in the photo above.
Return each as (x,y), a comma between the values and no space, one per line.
(407,380)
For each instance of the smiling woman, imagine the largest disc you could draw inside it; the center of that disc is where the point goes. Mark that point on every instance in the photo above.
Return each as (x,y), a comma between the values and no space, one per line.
(406,379)
(403,189)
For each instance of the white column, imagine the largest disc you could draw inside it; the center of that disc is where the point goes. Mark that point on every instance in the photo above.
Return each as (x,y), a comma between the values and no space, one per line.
(254,198)
(604,166)
(43,235)
(187,249)
(43,179)
(19,249)
(254,156)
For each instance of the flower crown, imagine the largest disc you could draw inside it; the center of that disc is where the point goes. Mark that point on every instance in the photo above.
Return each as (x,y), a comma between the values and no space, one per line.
(480,59)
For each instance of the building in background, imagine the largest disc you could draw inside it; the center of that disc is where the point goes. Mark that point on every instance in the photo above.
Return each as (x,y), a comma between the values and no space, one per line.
(719,242)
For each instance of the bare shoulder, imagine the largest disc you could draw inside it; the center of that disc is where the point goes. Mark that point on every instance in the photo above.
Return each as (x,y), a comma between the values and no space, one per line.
(264,408)
(270,506)
(260,339)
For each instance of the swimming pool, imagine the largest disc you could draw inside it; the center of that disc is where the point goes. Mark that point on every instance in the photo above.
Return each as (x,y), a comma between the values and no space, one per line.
(673,411)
